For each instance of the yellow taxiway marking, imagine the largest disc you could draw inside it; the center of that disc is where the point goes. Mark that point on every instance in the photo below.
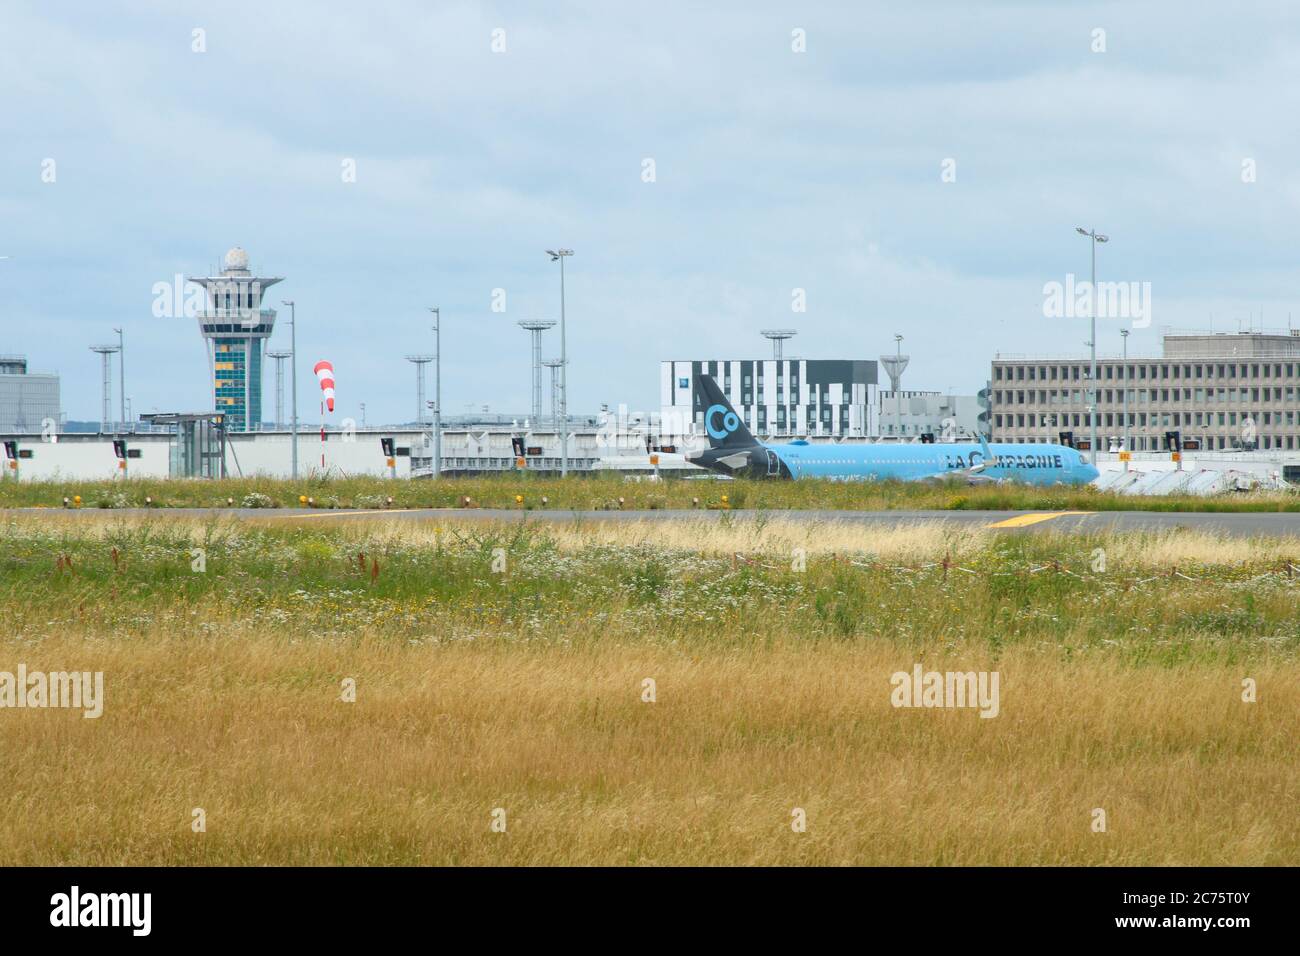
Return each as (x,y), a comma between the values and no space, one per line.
(1021,521)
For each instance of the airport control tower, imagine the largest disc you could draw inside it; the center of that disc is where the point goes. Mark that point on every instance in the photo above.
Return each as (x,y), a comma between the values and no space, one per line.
(235,328)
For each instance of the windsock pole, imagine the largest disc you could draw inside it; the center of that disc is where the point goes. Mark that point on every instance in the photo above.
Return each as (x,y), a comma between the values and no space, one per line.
(325,375)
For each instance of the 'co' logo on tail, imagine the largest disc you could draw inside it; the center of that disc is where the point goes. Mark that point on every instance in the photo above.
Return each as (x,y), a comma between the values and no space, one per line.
(729,421)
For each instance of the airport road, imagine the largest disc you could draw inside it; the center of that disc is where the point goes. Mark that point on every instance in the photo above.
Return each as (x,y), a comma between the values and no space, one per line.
(1273,524)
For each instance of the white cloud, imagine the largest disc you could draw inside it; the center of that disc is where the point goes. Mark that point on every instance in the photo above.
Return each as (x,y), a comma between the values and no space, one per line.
(775,170)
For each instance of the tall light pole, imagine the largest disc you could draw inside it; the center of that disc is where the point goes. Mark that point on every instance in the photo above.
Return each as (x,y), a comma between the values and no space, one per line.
(279,355)
(1124,378)
(554,366)
(561,255)
(437,391)
(779,337)
(898,389)
(536,327)
(121,373)
(106,353)
(1094,237)
(293,383)
(420,362)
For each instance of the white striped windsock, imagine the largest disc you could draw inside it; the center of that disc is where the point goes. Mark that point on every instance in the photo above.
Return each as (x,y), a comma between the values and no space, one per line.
(325,374)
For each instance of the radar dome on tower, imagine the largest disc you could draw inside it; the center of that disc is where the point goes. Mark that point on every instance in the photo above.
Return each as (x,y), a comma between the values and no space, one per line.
(236,259)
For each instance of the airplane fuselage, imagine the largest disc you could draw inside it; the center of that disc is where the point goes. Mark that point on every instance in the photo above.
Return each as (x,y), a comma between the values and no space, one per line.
(1037,464)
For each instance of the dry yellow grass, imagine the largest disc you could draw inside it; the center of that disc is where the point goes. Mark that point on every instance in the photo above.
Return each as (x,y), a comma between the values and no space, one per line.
(913,542)
(1167,548)
(440,735)
(463,714)
(903,542)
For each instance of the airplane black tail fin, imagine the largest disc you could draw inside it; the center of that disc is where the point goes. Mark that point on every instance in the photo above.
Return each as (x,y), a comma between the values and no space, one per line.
(721,423)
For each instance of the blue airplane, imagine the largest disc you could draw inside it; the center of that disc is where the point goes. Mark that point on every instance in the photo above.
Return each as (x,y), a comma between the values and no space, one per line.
(734,451)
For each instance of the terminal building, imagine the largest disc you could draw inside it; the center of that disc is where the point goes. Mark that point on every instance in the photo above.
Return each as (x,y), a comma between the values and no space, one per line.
(831,398)
(235,328)
(1223,390)
(29,401)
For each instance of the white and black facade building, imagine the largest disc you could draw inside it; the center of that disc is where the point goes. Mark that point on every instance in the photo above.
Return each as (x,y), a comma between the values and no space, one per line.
(834,398)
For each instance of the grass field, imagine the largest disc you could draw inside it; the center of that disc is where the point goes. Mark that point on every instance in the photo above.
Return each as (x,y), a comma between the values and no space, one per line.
(609,492)
(501,670)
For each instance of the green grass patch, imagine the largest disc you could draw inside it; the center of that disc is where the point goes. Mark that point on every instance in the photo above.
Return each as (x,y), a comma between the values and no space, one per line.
(513,582)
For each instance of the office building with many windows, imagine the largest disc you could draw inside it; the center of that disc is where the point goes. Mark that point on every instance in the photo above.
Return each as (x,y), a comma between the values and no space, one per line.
(29,401)
(1225,390)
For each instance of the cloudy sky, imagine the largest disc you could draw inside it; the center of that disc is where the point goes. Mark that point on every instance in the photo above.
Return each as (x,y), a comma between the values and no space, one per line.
(774,169)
